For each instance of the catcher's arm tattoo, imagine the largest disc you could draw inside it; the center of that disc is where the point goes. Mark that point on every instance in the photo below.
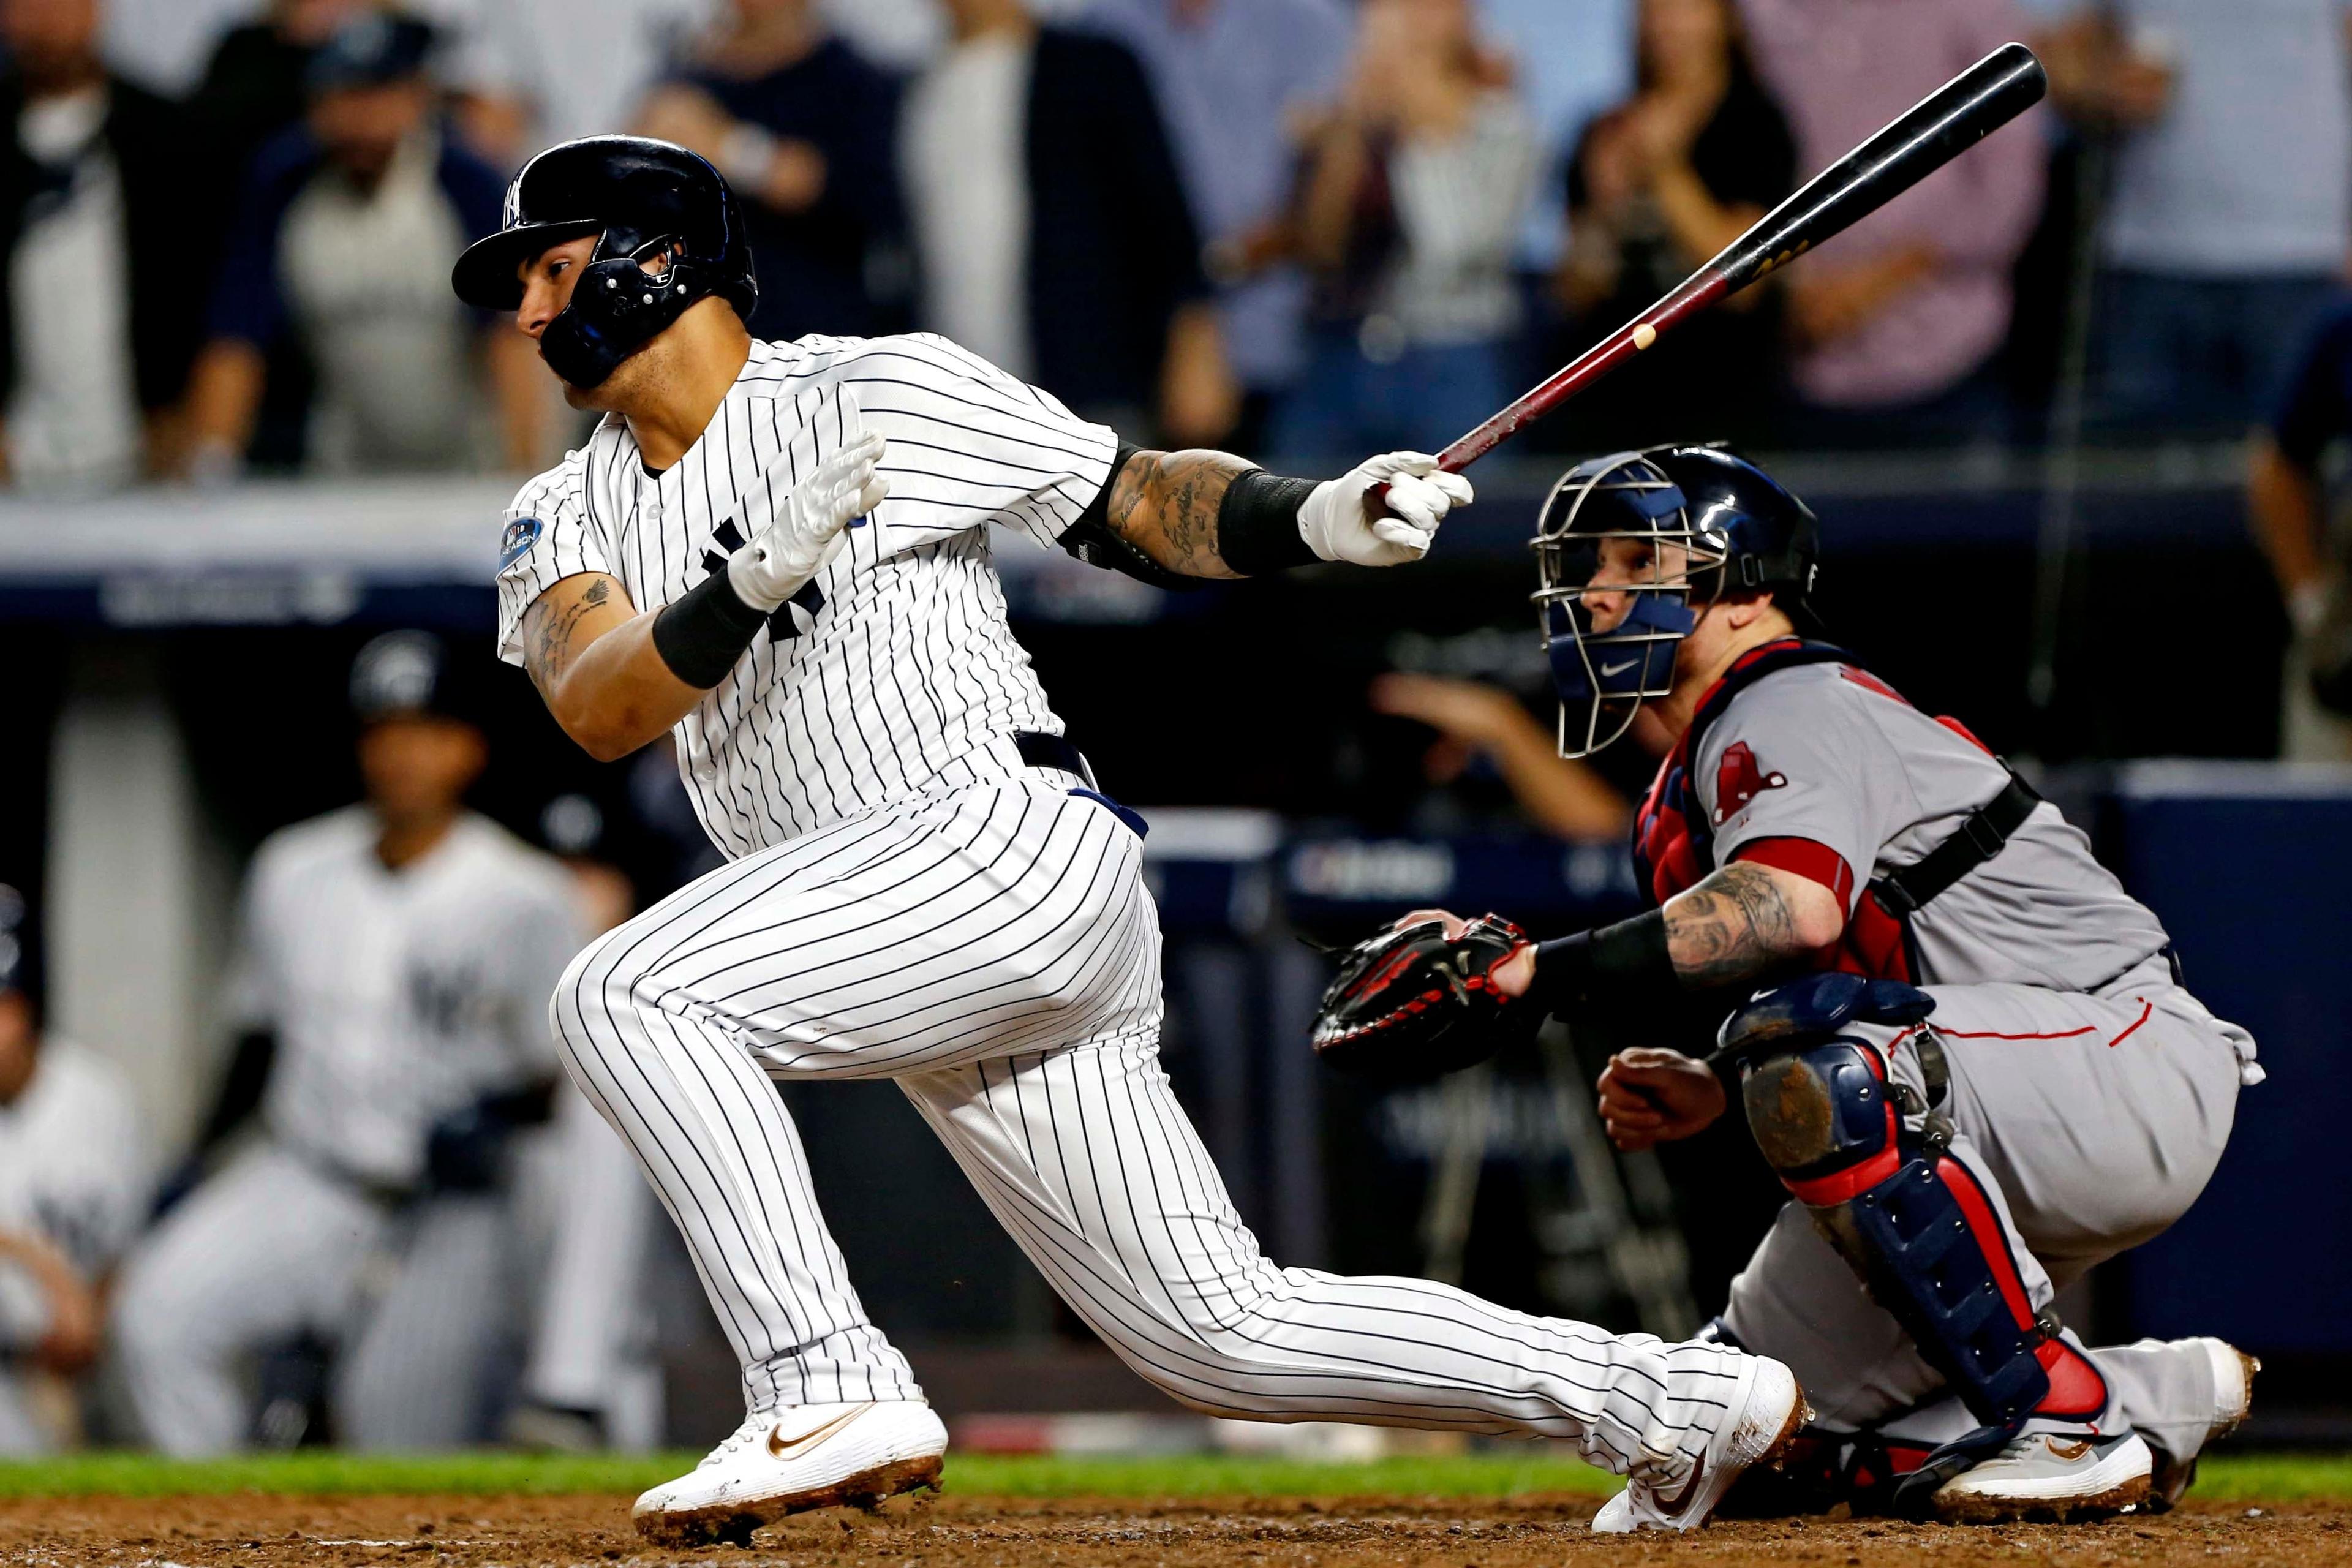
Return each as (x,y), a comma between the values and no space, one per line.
(1166,503)
(1746,919)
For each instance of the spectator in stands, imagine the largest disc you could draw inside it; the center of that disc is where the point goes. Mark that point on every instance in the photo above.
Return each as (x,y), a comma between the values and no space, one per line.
(2288,499)
(1897,327)
(1234,77)
(2229,212)
(1416,182)
(252,86)
(1656,186)
(531,73)
(1568,63)
(344,237)
(1565,798)
(805,130)
(106,228)
(74,1174)
(1052,230)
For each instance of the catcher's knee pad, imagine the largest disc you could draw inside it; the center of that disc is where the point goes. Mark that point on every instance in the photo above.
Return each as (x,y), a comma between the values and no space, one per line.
(1913,1223)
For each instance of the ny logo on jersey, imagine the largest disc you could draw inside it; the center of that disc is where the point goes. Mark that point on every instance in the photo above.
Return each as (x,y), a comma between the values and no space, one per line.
(444,1004)
(796,615)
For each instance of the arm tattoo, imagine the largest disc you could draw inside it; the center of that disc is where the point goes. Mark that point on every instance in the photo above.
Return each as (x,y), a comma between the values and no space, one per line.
(1733,926)
(1166,503)
(547,650)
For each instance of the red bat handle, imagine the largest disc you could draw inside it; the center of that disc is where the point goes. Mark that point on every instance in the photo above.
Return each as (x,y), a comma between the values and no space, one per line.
(1696,292)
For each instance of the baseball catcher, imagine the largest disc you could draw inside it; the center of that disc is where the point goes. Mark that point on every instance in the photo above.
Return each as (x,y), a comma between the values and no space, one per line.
(1966,1050)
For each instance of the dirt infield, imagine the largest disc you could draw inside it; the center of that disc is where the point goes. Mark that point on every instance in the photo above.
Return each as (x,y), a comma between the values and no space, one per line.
(257,1531)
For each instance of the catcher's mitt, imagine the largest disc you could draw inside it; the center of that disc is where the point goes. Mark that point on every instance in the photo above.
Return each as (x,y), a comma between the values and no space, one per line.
(1408,1002)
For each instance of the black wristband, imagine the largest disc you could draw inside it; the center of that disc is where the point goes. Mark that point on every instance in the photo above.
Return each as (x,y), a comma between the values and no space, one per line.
(1257,523)
(703,632)
(1622,968)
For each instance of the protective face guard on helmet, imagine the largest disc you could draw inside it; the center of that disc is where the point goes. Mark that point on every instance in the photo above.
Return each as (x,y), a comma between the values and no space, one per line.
(669,233)
(625,299)
(1624,576)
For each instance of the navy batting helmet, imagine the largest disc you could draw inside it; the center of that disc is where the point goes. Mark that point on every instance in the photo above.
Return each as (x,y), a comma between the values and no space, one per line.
(672,234)
(1633,548)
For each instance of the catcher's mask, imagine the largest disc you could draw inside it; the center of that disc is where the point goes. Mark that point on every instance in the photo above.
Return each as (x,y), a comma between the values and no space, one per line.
(1631,549)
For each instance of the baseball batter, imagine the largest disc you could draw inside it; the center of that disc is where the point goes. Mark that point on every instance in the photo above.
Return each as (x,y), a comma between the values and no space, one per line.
(397,953)
(1991,1079)
(780,553)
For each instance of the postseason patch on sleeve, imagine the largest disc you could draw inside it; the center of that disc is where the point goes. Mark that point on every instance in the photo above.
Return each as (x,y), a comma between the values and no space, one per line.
(516,542)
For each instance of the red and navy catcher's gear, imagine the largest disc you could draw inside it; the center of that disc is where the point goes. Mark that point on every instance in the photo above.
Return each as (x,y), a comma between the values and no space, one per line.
(1632,548)
(1674,842)
(671,234)
(1912,1222)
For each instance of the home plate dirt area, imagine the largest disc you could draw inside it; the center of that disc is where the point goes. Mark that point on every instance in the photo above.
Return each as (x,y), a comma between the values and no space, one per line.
(254,1531)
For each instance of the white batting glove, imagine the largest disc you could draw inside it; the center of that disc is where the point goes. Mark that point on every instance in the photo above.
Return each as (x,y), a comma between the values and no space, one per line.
(1341,522)
(802,530)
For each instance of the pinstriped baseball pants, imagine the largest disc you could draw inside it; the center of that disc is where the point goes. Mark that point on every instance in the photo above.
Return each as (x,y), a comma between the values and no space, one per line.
(993,950)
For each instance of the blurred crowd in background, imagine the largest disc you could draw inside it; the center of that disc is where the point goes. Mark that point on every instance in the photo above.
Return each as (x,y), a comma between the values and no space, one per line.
(1311,227)
(1306,230)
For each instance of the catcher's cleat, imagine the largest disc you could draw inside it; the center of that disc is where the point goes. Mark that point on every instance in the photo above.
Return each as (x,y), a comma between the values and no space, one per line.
(2050,1475)
(2234,1399)
(791,1460)
(1767,1411)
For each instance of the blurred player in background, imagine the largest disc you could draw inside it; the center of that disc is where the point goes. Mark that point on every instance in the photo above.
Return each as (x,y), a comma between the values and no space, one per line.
(395,961)
(75,1174)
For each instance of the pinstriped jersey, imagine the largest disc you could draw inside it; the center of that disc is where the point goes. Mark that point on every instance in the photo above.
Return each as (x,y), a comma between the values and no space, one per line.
(883,677)
(397,996)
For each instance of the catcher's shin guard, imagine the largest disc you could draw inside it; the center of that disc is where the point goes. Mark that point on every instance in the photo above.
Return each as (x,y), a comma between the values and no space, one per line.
(1913,1223)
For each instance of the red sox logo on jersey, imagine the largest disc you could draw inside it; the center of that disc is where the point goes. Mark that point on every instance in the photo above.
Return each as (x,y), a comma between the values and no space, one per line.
(1739,780)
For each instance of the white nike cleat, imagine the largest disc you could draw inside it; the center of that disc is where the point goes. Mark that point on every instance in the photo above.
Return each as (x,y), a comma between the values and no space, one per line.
(2050,1475)
(1767,1410)
(809,1455)
(2234,1400)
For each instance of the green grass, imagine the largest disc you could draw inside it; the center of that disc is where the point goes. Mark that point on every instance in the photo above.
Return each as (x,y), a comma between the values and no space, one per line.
(2249,1477)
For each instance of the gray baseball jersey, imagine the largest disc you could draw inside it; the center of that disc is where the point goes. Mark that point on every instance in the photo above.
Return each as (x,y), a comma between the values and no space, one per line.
(1852,782)
(2043,971)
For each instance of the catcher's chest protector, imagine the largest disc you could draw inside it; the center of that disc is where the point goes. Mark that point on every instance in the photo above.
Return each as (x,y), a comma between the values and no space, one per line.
(1674,847)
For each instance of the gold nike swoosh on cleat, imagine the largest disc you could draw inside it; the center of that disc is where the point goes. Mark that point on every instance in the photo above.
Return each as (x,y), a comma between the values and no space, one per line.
(783,1448)
(2067,1451)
